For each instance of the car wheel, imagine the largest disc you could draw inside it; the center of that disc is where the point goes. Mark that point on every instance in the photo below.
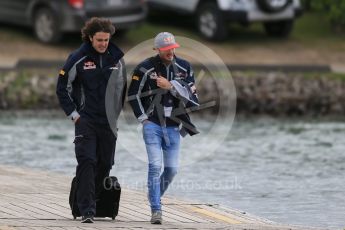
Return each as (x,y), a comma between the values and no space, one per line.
(279,28)
(211,24)
(273,6)
(46,26)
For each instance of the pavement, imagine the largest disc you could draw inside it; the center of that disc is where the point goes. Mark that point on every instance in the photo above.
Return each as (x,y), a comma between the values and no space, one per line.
(32,199)
(287,56)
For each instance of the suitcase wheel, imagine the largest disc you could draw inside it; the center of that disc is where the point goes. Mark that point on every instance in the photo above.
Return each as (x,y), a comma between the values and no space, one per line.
(74,217)
(113,217)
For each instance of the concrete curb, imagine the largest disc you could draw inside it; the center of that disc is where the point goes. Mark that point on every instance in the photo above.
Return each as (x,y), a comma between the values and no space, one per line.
(303,68)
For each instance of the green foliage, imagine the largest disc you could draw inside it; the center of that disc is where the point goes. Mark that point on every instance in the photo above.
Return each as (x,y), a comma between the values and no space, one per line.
(306,4)
(334,10)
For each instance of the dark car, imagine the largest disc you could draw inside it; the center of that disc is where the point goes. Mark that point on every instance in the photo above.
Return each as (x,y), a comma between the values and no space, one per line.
(51,18)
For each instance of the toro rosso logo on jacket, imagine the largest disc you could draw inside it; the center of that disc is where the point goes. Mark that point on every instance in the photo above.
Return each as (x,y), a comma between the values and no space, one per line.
(89,65)
(153,75)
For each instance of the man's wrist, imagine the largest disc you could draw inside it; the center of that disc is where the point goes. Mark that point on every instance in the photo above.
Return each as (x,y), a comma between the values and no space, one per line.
(172,89)
(75,117)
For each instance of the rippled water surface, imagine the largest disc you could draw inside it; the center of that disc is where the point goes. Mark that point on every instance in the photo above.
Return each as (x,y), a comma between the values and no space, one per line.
(289,171)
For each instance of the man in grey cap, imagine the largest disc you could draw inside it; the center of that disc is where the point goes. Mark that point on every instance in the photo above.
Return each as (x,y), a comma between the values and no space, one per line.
(161,89)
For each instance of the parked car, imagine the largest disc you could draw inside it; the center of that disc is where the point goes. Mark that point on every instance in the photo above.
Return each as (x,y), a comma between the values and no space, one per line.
(213,16)
(51,18)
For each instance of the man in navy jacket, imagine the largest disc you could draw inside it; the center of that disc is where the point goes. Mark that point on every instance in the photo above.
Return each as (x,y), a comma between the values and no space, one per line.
(91,91)
(161,90)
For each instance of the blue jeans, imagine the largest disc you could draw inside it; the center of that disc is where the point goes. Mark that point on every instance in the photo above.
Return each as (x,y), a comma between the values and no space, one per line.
(162,145)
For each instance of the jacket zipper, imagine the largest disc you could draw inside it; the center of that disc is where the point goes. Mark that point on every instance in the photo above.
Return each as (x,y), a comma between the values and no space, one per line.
(167,69)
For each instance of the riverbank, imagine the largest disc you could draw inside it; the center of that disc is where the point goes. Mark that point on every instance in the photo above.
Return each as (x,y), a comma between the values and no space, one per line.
(271,93)
(39,200)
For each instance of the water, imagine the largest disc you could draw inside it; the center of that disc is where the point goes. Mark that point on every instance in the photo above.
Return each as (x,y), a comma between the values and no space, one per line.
(289,171)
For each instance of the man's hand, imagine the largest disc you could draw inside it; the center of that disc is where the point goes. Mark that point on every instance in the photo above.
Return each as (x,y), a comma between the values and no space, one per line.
(75,120)
(163,83)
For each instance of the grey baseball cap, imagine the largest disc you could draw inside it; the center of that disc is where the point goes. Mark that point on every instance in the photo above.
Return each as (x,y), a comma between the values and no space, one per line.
(165,41)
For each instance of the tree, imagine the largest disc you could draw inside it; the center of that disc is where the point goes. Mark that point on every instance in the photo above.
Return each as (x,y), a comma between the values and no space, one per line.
(334,9)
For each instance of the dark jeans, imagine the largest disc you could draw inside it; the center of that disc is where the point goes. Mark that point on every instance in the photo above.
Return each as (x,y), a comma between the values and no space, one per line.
(95,152)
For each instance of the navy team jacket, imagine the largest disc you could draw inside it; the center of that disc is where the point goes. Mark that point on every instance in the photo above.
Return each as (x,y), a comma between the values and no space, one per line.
(93,85)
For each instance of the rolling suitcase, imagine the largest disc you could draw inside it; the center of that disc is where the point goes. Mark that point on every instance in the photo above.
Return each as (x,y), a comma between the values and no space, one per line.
(107,205)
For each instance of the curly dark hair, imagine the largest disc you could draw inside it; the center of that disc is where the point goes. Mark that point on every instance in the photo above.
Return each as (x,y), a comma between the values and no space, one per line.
(95,25)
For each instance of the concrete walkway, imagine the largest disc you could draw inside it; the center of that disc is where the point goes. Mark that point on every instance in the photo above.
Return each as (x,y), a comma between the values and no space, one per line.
(38,200)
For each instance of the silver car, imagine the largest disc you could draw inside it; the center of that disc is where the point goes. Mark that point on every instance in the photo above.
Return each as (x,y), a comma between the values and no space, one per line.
(213,16)
(51,18)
